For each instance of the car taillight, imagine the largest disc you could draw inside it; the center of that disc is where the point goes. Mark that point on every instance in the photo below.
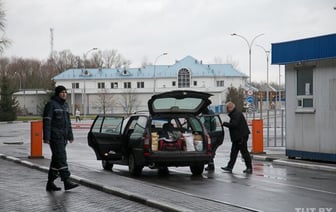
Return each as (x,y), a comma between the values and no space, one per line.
(146,145)
(209,144)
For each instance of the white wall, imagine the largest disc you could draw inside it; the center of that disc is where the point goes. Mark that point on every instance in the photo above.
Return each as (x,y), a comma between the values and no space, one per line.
(313,132)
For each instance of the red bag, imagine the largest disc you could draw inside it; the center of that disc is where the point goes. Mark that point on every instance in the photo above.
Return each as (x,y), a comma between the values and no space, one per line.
(170,145)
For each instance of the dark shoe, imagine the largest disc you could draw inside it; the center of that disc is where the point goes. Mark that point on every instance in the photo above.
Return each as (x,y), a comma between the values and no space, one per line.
(227,169)
(248,171)
(69,185)
(210,168)
(52,187)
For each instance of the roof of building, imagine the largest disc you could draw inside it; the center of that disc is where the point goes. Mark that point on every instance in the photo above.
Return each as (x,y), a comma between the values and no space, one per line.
(31,92)
(196,67)
(308,49)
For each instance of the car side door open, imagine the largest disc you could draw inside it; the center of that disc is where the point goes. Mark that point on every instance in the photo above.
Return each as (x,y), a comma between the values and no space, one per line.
(105,137)
(214,127)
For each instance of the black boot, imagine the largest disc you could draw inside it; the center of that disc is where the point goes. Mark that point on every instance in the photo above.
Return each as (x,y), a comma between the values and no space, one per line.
(52,187)
(69,185)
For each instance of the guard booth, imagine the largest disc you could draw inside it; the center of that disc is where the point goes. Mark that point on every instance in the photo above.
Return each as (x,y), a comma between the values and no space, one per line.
(310,69)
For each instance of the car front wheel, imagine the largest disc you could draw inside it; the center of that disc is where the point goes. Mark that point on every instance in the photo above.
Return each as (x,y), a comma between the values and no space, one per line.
(134,170)
(197,169)
(107,165)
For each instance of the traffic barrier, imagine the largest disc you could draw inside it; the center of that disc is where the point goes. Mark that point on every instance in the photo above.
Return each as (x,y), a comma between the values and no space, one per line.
(36,139)
(257,136)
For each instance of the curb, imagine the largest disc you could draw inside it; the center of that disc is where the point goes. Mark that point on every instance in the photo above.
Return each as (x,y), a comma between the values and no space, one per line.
(264,158)
(285,162)
(110,190)
(293,163)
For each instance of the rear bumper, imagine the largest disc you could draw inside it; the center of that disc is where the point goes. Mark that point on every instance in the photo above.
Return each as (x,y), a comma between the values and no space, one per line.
(164,158)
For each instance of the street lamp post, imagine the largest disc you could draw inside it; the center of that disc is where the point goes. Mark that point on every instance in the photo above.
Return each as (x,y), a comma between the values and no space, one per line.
(85,73)
(249,44)
(165,53)
(267,52)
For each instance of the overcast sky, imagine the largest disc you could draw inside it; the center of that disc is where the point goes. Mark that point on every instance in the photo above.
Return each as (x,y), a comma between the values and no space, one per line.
(141,29)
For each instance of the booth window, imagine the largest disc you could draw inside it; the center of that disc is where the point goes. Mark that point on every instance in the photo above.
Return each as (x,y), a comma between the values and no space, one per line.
(304,92)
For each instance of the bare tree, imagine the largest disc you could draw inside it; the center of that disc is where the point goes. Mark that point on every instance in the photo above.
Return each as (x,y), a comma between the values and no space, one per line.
(4,42)
(128,102)
(64,60)
(145,62)
(104,101)
(218,60)
(97,60)
(231,61)
(4,62)
(110,57)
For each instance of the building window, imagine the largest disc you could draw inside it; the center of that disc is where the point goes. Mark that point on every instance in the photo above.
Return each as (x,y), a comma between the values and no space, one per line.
(220,83)
(183,78)
(75,85)
(304,89)
(195,83)
(173,83)
(127,85)
(114,85)
(140,84)
(101,85)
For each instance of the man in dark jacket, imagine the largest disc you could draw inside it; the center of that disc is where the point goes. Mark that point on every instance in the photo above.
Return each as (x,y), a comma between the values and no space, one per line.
(57,132)
(239,133)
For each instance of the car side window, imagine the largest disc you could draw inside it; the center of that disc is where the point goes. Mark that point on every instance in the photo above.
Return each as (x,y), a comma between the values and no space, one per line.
(196,125)
(140,125)
(97,124)
(211,122)
(112,125)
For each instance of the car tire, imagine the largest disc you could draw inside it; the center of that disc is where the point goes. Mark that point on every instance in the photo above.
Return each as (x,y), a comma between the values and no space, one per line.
(107,165)
(134,170)
(197,169)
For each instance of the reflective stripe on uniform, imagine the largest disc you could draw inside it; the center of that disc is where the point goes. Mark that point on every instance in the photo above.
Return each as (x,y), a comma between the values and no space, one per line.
(55,169)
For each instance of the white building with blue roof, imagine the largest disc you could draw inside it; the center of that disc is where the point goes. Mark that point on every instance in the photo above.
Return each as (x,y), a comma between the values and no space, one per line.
(110,90)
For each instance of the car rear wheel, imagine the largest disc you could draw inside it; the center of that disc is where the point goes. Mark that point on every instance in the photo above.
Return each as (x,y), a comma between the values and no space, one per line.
(197,169)
(134,170)
(107,165)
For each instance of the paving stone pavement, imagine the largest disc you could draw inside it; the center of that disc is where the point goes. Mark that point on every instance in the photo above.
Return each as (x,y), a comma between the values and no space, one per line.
(23,189)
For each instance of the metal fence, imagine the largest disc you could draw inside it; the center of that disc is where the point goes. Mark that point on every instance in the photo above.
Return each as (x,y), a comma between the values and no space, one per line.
(274,125)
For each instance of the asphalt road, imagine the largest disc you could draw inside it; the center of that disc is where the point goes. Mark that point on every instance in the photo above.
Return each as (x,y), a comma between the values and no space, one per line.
(270,187)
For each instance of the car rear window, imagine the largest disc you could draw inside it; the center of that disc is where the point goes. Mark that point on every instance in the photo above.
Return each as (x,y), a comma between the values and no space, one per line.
(177,105)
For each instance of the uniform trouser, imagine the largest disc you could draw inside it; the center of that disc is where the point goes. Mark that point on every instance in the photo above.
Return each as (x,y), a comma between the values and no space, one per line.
(241,146)
(58,164)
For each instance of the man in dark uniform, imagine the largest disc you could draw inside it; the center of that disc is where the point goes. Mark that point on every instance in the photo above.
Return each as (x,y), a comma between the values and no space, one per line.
(239,133)
(57,132)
